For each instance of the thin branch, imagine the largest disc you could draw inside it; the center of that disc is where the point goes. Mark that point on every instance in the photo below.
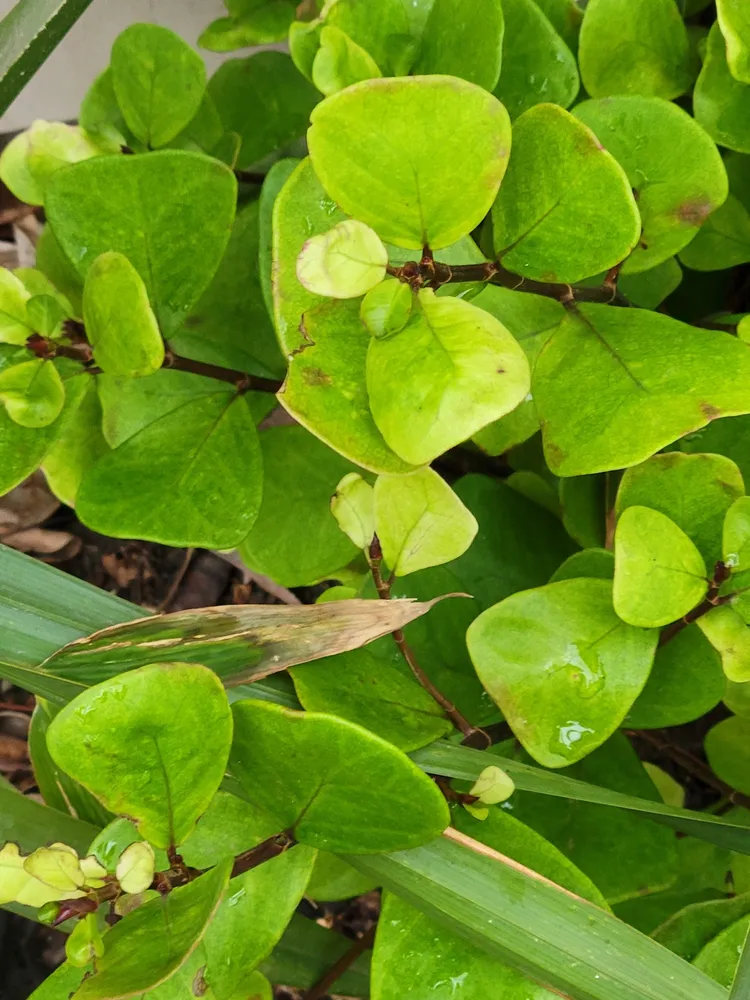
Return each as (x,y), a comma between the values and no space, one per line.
(175,584)
(693,766)
(712,600)
(473,736)
(243,381)
(261,853)
(433,274)
(324,984)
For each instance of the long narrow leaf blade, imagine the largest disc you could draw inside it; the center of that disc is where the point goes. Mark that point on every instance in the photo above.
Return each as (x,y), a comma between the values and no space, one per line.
(241,644)
(741,983)
(556,939)
(30,824)
(451,761)
(28,35)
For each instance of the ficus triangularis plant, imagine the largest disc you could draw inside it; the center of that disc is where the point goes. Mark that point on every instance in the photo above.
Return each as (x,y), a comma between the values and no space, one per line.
(490,258)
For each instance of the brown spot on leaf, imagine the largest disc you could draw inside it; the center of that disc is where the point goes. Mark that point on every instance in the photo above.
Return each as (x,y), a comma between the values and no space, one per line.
(694,213)
(316,376)
(709,411)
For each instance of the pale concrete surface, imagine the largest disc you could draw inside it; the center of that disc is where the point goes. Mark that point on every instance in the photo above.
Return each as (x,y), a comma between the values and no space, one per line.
(57,89)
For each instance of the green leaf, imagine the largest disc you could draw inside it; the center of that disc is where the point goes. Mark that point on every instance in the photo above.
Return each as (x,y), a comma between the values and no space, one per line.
(353,507)
(136,205)
(411,948)
(462,42)
(263,23)
(331,768)
(660,575)
(374,688)
(562,182)
(326,391)
(264,100)
(301,210)
(275,180)
(537,65)
(16,174)
(63,982)
(149,945)
(686,682)
(53,145)
(344,263)
(561,666)
(415,187)
(720,101)
(204,454)
(658,379)
(22,449)
(340,62)
(692,927)
(120,323)
(583,505)
(59,271)
(159,81)
(587,834)
(694,491)
(45,314)
(734,22)
(521,921)
(458,369)
(295,539)
(15,327)
(531,319)
(77,447)
(307,951)
(565,16)
(737,698)
(461,762)
(595,562)
(112,735)
(240,644)
(420,521)
(32,392)
(727,749)
(720,958)
(724,240)
(672,165)
(387,307)
(634,47)
(648,289)
(101,116)
(28,34)
(333,879)
(253,916)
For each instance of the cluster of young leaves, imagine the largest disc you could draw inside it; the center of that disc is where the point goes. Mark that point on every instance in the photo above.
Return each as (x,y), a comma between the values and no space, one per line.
(483,249)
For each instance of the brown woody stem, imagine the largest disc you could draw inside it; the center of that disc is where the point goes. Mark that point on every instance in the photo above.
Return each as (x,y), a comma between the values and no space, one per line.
(472,735)
(242,381)
(324,984)
(261,853)
(712,600)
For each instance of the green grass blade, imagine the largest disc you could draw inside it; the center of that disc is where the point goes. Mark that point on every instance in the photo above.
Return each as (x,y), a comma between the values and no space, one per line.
(460,762)
(741,984)
(28,35)
(551,936)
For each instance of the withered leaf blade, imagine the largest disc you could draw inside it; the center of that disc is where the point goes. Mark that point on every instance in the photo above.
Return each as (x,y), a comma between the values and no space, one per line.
(240,644)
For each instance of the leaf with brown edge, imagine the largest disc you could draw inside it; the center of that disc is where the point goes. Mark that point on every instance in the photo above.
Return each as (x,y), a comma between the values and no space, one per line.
(240,644)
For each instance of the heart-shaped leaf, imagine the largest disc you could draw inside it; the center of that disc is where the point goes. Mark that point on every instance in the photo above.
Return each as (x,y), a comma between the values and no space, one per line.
(417,182)
(657,380)
(32,392)
(728,633)
(734,21)
(561,665)
(120,323)
(672,165)
(420,521)
(125,743)
(634,47)
(694,491)
(328,769)
(326,388)
(659,573)
(340,62)
(159,81)
(537,64)
(720,101)
(565,210)
(149,945)
(192,454)
(170,213)
(458,369)
(343,263)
